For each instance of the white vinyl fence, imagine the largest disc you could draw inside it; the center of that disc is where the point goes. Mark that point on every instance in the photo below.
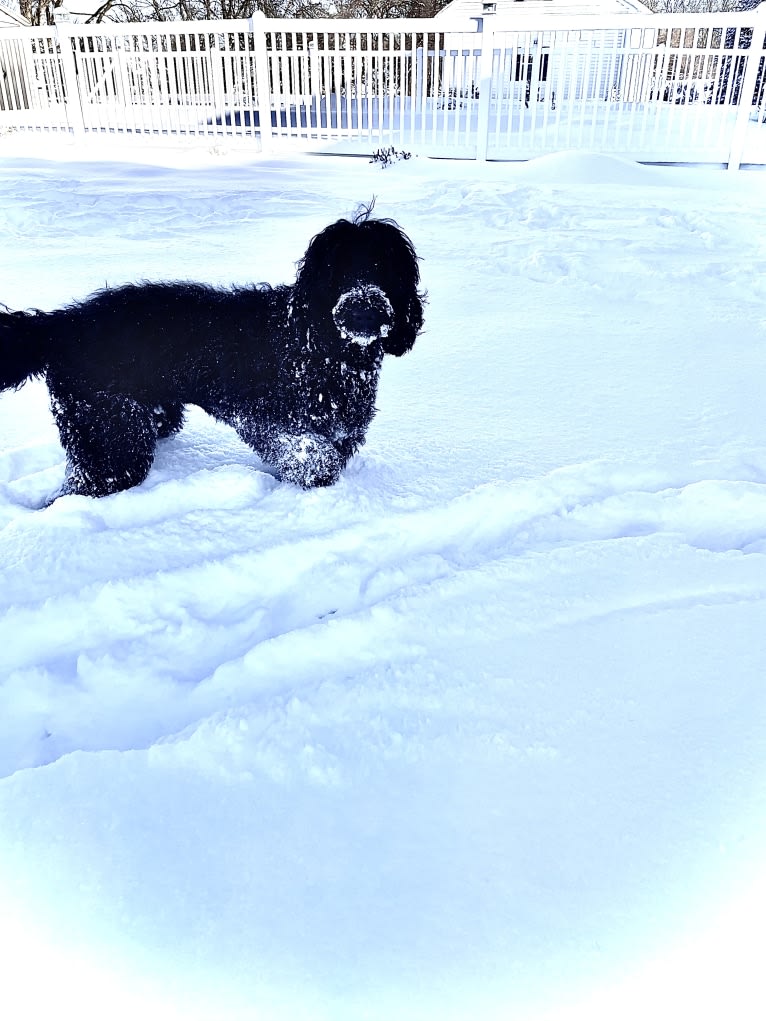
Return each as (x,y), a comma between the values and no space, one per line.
(656,88)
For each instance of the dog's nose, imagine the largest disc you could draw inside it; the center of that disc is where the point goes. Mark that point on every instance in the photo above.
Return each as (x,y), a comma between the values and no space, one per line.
(363,313)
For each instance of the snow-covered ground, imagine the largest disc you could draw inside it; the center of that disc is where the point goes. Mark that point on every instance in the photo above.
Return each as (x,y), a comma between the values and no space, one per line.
(479,732)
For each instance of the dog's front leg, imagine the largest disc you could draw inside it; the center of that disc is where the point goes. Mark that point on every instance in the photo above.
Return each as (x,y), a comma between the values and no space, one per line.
(304,458)
(346,447)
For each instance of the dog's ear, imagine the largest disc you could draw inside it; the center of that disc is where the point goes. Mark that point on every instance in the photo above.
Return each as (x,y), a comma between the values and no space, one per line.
(313,283)
(408,325)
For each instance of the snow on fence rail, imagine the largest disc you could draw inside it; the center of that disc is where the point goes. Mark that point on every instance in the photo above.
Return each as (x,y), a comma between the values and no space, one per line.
(653,87)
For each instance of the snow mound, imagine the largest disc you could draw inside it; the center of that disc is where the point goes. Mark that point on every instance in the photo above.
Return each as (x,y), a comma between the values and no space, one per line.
(572,167)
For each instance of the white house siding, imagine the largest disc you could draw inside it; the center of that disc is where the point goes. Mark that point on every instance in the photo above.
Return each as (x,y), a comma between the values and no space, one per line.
(539,9)
(532,33)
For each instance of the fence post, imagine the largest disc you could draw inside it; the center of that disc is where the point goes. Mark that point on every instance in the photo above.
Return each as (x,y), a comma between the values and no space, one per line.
(747,88)
(487,35)
(64,34)
(262,86)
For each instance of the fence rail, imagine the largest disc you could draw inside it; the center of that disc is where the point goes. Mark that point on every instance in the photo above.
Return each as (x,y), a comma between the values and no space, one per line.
(658,88)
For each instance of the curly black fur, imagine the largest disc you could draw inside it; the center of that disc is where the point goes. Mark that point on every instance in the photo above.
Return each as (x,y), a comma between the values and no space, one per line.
(294,369)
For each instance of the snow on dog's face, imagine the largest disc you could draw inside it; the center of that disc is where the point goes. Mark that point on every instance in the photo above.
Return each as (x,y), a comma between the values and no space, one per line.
(363,314)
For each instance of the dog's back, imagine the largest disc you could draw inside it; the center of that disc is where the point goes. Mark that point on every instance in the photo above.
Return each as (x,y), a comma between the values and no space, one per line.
(139,338)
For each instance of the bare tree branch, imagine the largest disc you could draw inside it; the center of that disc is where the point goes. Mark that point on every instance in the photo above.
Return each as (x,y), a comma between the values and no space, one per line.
(214,10)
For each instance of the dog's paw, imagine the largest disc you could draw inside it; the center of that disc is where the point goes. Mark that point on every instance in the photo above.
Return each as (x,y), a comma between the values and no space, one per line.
(307,460)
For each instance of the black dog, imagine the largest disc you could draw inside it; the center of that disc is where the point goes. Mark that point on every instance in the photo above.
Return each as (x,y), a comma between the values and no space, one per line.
(293,369)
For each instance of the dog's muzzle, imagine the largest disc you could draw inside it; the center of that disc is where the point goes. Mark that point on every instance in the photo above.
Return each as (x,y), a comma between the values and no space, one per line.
(363,314)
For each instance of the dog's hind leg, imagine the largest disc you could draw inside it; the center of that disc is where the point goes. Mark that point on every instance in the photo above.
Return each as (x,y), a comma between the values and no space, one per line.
(109,442)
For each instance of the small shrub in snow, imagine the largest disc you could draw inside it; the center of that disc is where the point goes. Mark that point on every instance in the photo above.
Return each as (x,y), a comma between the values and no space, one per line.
(385,157)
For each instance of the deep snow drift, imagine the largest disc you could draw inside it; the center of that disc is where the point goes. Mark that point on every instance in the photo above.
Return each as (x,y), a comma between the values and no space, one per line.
(477,733)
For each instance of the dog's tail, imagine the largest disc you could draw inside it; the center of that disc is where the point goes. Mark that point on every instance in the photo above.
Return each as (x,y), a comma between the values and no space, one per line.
(22,347)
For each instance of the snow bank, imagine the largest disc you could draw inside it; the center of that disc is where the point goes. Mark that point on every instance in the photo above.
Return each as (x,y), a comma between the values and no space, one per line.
(479,731)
